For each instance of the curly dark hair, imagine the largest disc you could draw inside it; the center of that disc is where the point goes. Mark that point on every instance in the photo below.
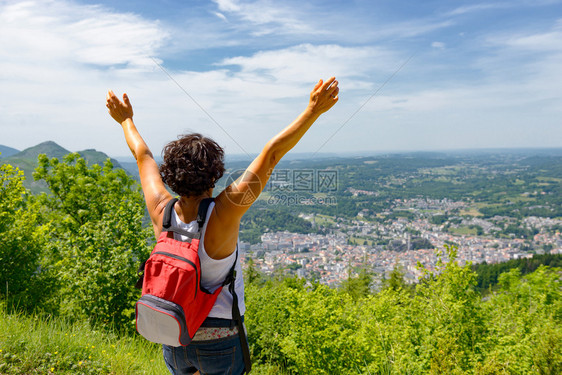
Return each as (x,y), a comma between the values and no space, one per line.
(192,164)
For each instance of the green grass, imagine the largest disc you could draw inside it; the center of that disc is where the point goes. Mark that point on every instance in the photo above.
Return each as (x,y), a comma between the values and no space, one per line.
(361,241)
(324,220)
(466,231)
(471,211)
(33,345)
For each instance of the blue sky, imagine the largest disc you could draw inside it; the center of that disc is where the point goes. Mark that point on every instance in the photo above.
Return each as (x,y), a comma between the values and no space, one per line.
(478,74)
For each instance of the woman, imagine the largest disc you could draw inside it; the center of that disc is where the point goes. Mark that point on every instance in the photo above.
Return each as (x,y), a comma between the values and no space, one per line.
(191,166)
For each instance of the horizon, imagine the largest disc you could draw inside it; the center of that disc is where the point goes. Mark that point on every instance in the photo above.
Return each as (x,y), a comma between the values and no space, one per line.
(295,156)
(413,76)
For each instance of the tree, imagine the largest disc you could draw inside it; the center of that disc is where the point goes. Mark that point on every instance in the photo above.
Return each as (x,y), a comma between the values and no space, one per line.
(20,240)
(251,274)
(453,315)
(97,239)
(396,281)
(525,324)
(358,286)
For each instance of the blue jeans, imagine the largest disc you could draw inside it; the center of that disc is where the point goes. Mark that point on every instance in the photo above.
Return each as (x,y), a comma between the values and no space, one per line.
(211,357)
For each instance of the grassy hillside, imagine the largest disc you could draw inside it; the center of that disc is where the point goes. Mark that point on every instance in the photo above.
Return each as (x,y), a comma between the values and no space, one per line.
(97,157)
(50,148)
(33,345)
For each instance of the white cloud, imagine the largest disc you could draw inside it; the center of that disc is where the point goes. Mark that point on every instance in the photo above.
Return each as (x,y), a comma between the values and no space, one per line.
(221,16)
(321,23)
(465,9)
(263,17)
(57,59)
(409,29)
(307,62)
(228,5)
(438,45)
(479,7)
(59,30)
(549,41)
(532,58)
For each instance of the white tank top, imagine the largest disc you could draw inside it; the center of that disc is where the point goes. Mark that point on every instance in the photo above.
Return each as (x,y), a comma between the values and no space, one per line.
(214,272)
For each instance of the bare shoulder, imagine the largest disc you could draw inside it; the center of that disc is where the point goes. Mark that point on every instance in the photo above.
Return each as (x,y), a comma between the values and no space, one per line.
(221,235)
(157,212)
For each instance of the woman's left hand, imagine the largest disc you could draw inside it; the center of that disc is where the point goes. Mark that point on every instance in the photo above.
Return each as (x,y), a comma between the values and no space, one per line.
(119,110)
(324,95)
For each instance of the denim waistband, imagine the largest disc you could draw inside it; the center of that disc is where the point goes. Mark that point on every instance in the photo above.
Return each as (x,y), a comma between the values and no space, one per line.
(219,322)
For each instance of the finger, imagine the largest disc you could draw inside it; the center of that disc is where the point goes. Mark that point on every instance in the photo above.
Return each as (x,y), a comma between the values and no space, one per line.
(333,87)
(328,83)
(126,100)
(111,104)
(317,85)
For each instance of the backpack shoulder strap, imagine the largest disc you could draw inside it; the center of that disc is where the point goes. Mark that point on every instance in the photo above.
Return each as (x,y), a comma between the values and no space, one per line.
(201,215)
(236,317)
(167,218)
(202,212)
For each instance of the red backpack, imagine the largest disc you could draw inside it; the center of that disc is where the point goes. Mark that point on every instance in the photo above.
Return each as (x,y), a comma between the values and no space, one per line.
(173,304)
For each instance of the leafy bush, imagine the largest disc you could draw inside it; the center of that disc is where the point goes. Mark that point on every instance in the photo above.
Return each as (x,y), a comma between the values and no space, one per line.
(97,238)
(21,240)
(444,326)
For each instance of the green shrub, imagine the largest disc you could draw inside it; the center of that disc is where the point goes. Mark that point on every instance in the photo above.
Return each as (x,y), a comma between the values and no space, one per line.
(21,241)
(96,241)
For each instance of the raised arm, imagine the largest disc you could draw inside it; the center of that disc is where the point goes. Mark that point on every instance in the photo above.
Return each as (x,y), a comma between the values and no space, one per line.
(154,190)
(235,200)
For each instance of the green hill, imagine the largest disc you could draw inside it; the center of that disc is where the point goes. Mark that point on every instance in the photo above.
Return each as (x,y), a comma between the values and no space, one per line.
(97,157)
(26,160)
(50,148)
(6,151)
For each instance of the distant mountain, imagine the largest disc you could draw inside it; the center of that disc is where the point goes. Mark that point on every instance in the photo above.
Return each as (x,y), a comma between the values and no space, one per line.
(97,157)
(26,160)
(131,168)
(6,151)
(50,148)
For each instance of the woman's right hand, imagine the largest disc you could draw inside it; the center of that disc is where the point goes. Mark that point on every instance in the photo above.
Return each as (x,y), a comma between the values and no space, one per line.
(119,110)
(323,96)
